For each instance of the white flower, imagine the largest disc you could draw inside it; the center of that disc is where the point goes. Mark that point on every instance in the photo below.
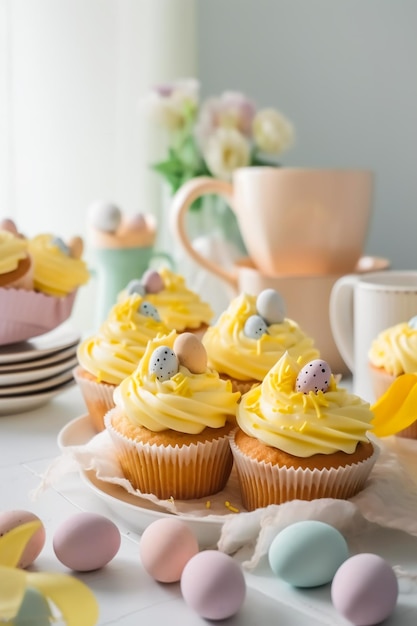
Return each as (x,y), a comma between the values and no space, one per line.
(272,131)
(231,110)
(171,105)
(225,150)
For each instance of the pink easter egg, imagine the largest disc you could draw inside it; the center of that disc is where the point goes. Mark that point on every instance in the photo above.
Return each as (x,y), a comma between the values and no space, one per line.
(152,281)
(314,376)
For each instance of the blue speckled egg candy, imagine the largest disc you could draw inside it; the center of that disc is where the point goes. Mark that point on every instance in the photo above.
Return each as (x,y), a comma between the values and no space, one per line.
(164,363)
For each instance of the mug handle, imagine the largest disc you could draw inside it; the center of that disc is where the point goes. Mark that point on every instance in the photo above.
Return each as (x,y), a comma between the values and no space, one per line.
(183,198)
(341,316)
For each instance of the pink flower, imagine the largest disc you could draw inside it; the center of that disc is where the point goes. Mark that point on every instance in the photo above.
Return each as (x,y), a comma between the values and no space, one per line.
(231,110)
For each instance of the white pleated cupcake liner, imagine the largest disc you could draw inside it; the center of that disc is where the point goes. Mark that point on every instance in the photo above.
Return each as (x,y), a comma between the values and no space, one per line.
(98,397)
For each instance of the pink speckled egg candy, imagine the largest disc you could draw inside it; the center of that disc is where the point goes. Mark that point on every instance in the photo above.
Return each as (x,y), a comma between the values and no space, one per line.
(314,376)
(191,353)
(152,281)
(12,519)
(213,584)
(165,548)
(365,589)
(86,542)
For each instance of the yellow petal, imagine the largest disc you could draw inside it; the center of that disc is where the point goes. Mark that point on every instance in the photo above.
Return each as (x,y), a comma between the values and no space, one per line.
(12,590)
(397,408)
(14,542)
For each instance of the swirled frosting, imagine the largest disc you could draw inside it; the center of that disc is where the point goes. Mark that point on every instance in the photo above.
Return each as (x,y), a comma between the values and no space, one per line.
(178,306)
(395,350)
(231,352)
(115,351)
(12,251)
(186,403)
(303,424)
(55,273)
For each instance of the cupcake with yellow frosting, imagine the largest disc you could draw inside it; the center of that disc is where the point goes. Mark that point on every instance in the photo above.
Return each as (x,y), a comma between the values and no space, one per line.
(16,268)
(172,421)
(300,436)
(113,353)
(251,336)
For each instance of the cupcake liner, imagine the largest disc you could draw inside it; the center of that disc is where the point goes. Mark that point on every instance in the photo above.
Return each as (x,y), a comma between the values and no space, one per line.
(183,473)
(27,314)
(262,484)
(98,397)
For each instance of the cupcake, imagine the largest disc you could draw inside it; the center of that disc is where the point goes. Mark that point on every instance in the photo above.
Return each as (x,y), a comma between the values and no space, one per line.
(251,336)
(172,421)
(394,353)
(180,308)
(16,269)
(113,353)
(300,436)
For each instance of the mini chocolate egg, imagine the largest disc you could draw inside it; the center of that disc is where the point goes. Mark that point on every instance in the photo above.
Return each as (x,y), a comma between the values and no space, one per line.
(135,286)
(164,363)
(271,306)
(314,376)
(149,310)
(34,610)
(307,553)
(105,216)
(213,584)
(86,541)
(76,247)
(59,243)
(191,353)
(255,327)
(365,589)
(152,281)
(13,519)
(413,322)
(165,548)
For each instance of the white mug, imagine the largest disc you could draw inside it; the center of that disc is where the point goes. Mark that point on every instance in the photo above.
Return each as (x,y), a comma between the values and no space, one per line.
(363,306)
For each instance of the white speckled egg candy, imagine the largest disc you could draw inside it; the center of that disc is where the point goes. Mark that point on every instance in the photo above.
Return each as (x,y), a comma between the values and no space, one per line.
(314,376)
(13,519)
(307,553)
(105,216)
(365,589)
(86,541)
(255,326)
(213,584)
(165,548)
(164,363)
(271,306)
(191,353)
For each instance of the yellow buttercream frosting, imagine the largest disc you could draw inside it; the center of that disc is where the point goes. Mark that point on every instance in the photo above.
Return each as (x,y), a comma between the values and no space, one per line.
(12,251)
(55,273)
(395,350)
(231,352)
(186,402)
(303,424)
(115,351)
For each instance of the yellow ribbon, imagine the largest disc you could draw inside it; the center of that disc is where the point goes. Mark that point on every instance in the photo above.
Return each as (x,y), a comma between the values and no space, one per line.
(75,601)
(396,409)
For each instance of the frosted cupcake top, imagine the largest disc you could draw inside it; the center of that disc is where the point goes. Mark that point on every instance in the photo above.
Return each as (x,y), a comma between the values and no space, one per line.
(114,352)
(12,251)
(395,349)
(252,334)
(172,388)
(302,411)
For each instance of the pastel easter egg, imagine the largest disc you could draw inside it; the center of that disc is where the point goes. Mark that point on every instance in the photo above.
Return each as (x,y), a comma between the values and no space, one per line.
(105,216)
(61,245)
(165,548)
(271,306)
(307,553)
(255,326)
(365,589)
(34,610)
(213,584)
(413,322)
(135,286)
(86,541)
(152,281)
(135,222)
(12,519)
(164,363)
(76,247)
(149,310)
(191,353)
(9,225)
(314,376)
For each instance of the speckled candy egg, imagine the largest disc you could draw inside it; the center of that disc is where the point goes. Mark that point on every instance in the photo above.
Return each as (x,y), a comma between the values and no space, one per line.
(149,310)
(105,216)
(314,376)
(165,548)
(191,353)
(271,306)
(255,327)
(152,281)
(307,553)
(365,589)
(413,322)
(213,584)
(86,541)
(13,519)
(164,363)
(135,286)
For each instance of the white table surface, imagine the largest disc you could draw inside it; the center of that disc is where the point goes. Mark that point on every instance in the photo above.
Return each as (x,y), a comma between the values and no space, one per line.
(127,596)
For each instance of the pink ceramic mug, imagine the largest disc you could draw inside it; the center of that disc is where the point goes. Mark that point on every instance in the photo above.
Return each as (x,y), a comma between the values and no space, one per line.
(292,221)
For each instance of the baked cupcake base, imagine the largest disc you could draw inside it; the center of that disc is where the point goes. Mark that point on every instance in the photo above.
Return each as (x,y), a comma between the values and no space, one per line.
(269,476)
(98,396)
(169,464)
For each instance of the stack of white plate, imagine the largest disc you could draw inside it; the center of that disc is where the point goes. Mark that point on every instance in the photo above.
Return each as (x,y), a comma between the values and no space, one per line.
(32,372)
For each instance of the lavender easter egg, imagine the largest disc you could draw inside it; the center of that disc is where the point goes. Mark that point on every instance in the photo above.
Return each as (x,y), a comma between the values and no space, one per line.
(164,363)
(271,306)
(152,281)
(314,376)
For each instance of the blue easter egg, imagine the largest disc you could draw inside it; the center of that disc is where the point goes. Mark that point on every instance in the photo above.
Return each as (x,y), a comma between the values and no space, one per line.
(413,322)
(164,363)
(149,310)
(271,306)
(255,327)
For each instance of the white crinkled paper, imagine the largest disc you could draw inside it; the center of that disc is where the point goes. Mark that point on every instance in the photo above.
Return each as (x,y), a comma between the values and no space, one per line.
(389,498)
